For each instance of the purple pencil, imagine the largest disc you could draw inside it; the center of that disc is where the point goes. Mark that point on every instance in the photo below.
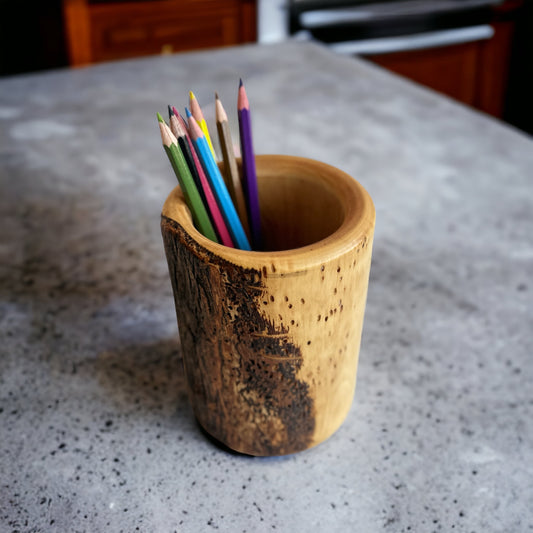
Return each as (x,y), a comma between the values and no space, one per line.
(248,167)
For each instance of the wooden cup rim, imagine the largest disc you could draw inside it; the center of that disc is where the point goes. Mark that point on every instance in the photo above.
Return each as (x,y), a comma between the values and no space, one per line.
(355,229)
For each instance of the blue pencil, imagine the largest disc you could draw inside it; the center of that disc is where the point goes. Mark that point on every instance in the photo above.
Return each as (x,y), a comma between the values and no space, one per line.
(217,184)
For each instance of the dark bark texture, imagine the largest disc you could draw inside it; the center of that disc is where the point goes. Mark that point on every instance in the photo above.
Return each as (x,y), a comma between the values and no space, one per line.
(241,367)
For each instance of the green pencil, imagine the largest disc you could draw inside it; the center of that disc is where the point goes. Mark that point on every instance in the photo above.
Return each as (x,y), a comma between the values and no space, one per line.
(185,179)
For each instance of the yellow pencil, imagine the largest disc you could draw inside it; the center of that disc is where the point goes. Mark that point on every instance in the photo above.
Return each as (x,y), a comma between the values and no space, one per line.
(196,112)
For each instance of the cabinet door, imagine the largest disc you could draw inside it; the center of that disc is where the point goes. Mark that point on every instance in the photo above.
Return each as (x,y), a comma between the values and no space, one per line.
(474,73)
(106,31)
(450,70)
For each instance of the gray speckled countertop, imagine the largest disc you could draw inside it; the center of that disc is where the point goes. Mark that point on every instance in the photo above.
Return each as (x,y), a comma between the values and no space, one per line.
(96,433)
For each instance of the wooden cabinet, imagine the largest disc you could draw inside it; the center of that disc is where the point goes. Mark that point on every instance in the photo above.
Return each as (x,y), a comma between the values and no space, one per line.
(116,30)
(474,73)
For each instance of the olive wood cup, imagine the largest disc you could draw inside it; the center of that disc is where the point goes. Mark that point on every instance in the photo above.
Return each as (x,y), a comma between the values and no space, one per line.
(270,339)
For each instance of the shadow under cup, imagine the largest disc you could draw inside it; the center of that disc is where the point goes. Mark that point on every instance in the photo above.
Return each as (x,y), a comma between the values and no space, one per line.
(270,339)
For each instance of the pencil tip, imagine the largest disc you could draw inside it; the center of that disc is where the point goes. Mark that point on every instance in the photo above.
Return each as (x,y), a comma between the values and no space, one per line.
(187,112)
(160,118)
(216,96)
(194,129)
(240,82)
(170,111)
(191,95)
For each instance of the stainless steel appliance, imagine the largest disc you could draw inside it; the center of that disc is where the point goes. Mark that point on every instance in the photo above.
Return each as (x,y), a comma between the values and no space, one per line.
(372,27)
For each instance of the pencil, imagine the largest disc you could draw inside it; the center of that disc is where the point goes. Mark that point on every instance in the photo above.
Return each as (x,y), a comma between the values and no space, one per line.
(198,115)
(190,192)
(185,126)
(200,179)
(218,186)
(231,173)
(248,166)
(172,118)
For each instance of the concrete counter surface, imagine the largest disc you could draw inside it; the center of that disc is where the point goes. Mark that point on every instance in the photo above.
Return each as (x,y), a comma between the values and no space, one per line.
(96,432)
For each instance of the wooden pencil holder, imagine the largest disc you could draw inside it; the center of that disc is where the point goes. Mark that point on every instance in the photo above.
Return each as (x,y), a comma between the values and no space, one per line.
(270,339)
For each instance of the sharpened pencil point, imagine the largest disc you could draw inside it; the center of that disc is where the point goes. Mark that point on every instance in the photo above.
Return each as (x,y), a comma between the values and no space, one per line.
(240,82)
(216,96)
(170,111)
(194,129)
(160,118)
(177,128)
(220,114)
(187,112)
(242,99)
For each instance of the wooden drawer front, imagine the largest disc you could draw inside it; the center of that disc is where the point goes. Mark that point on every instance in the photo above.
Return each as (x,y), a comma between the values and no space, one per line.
(474,73)
(128,30)
(450,70)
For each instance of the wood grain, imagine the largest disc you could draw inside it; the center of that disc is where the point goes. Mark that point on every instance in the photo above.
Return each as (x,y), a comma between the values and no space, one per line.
(271,339)
(117,30)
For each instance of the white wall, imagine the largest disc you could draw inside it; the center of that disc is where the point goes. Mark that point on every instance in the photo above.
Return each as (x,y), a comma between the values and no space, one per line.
(272,21)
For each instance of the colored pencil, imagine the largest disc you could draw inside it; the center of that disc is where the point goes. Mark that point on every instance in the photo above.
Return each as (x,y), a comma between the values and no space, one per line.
(248,166)
(190,192)
(186,151)
(198,115)
(185,126)
(218,186)
(231,172)
(200,179)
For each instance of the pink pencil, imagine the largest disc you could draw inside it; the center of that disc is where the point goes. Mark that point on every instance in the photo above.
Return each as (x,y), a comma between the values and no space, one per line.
(212,206)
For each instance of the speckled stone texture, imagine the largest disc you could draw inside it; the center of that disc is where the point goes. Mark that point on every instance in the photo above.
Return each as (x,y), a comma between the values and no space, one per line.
(96,432)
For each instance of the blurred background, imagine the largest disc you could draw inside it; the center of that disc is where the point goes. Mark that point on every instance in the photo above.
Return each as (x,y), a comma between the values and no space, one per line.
(479,52)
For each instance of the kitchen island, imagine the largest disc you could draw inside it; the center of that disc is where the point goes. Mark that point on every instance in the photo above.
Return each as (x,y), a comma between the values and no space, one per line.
(96,432)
